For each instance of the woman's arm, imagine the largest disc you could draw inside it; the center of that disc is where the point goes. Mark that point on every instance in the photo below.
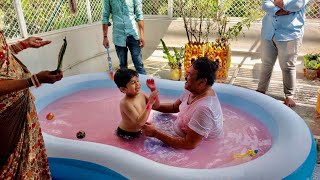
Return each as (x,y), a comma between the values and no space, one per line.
(31,42)
(9,86)
(190,141)
(169,107)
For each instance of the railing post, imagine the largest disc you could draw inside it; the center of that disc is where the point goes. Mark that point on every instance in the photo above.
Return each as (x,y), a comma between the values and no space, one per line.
(170,8)
(89,11)
(21,20)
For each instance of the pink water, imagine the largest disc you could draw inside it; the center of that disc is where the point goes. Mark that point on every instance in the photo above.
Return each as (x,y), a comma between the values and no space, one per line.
(97,113)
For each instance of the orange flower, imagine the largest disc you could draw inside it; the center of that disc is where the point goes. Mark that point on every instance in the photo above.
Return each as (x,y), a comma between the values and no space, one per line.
(29,174)
(1,55)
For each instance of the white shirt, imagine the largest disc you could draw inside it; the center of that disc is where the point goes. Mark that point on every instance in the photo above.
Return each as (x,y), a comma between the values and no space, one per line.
(203,116)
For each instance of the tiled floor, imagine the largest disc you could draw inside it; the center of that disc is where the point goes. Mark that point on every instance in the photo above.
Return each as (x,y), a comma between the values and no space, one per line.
(316,173)
(246,75)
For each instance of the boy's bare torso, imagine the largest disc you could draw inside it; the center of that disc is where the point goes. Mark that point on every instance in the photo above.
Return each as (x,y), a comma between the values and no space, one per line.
(129,104)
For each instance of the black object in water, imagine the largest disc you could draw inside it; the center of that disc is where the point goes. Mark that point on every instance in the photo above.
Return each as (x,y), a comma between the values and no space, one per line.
(81,134)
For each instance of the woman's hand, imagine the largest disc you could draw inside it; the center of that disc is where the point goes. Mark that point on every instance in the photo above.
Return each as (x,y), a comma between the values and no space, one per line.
(35,42)
(149,130)
(49,76)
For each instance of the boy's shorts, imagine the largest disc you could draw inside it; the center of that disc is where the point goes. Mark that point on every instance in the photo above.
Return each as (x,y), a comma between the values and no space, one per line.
(127,135)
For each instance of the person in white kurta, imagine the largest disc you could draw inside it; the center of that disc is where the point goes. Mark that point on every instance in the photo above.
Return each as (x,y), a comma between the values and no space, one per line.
(203,116)
(199,110)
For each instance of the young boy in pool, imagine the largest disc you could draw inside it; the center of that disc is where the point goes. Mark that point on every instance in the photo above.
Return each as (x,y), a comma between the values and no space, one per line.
(135,106)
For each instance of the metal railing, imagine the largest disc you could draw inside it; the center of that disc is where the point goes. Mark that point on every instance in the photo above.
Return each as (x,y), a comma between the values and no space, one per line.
(27,17)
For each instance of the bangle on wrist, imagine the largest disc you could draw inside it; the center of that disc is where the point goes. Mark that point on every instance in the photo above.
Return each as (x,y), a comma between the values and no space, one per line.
(105,36)
(35,81)
(23,44)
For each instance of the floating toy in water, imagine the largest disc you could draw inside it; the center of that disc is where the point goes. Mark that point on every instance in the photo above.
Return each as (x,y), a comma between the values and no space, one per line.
(50,116)
(81,134)
(249,152)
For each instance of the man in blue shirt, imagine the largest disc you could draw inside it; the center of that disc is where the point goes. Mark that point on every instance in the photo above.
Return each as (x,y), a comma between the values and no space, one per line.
(125,14)
(281,37)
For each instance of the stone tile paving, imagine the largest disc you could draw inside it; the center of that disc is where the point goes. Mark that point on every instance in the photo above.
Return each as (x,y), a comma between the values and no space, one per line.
(247,77)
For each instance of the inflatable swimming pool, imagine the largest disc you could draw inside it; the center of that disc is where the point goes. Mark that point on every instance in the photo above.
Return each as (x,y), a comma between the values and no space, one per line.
(291,156)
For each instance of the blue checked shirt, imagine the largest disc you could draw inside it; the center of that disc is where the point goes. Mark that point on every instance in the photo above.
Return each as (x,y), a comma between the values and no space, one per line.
(286,27)
(125,14)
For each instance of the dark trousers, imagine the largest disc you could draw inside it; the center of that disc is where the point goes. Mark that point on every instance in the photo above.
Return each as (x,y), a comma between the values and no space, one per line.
(135,50)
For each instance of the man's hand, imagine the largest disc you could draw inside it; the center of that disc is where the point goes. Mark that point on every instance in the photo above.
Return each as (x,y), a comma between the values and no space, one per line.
(282,12)
(105,42)
(148,129)
(279,3)
(151,85)
(35,42)
(141,42)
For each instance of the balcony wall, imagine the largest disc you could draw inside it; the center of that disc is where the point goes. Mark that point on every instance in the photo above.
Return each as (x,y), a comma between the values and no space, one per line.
(85,52)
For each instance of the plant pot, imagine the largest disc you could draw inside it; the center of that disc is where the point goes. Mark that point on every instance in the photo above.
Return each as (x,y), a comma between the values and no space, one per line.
(318,102)
(311,74)
(175,74)
(211,50)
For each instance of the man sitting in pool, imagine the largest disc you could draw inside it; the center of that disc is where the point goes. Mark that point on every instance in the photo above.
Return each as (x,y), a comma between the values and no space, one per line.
(135,106)
(200,114)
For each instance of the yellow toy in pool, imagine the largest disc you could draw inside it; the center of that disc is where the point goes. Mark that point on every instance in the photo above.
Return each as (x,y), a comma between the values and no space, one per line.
(249,152)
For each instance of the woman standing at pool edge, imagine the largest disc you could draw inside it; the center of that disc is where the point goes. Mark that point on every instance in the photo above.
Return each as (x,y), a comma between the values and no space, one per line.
(22,151)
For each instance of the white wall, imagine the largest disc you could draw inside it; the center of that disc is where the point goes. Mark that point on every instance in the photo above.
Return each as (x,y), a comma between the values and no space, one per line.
(85,52)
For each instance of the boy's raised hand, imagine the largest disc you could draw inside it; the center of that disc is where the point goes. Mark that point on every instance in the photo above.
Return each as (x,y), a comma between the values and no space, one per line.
(153,97)
(151,85)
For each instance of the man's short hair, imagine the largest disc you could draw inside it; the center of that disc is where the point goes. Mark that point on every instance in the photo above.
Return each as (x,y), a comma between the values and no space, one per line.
(123,76)
(206,69)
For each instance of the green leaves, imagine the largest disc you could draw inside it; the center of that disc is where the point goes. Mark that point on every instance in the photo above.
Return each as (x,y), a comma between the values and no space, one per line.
(61,54)
(206,17)
(175,60)
(223,15)
(312,61)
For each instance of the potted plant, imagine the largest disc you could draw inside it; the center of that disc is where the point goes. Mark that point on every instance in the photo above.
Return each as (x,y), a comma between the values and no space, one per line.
(203,18)
(175,60)
(312,65)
